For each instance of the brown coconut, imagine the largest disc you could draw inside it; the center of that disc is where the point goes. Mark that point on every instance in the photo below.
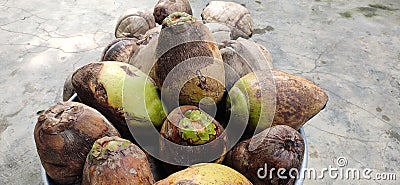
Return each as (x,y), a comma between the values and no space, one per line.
(120,50)
(164,8)
(190,126)
(116,161)
(234,15)
(134,22)
(278,147)
(187,55)
(64,135)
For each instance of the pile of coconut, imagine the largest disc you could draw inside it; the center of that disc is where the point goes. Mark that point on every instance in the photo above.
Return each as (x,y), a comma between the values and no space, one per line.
(179,100)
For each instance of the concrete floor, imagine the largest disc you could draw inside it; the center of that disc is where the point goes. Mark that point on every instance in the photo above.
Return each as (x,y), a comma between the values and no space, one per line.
(351,49)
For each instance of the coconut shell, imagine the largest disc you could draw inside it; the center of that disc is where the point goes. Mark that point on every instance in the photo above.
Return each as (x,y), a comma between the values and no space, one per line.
(294,99)
(190,60)
(174,131)
(243,57)
(68,90)
(134,22)
(274,148)
(234,15)
(64,135)
(145,57)
(108,86)
(266,54)
(164,8)
(120,50)
(206,173)
(220,32)
(114,160)
(154,31)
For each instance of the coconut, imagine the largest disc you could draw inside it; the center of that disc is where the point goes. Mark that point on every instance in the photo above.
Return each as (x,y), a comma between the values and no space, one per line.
(190,126)
(119,159)
(145,56)
(68,90)
(206,173)
(276,98)
(220,32)
(120,50)
(122,93)
(279,147)
(134,22)
(164,8)
(243,57)
(189,65)
(234,15)
(64,135)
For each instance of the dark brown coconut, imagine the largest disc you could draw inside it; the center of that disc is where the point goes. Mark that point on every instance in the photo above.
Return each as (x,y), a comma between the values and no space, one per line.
(188,57)
(64,135)
(234,15)
(278,147)
(189,126)
(114,160)
(120,50)
(164,8)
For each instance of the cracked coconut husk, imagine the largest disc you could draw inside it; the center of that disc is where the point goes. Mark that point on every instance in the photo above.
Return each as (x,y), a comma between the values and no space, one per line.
(189,126)
(113,160)
(64,135)
(277,147)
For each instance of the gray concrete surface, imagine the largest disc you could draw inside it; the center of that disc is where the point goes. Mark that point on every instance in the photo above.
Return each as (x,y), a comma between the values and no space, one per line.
(349,48)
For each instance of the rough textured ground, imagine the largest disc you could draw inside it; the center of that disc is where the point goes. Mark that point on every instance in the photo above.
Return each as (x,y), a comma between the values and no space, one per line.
(350,48)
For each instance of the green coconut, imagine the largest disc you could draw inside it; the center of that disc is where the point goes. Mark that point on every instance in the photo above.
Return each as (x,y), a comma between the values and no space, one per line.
(121,92)
(272,97)
(190,126)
